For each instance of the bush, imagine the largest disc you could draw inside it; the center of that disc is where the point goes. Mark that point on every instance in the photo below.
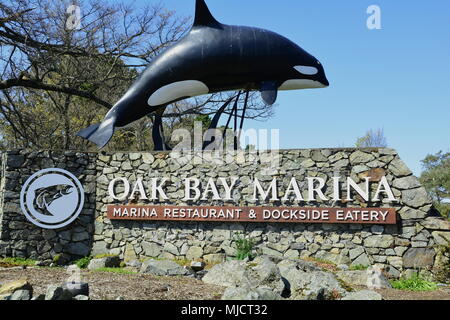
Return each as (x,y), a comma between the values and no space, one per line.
(57,258)
(443,208)
(244,247)
(415,283)
(83,262)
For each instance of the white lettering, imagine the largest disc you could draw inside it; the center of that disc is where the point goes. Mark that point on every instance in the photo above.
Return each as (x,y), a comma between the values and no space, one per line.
(293,187)
(112,185)
(351,184)
(228,188)
(264,194)
(336,189)
(157,188)
(139,187)
(384,187)
(189,187)
(211,188)
(312,190)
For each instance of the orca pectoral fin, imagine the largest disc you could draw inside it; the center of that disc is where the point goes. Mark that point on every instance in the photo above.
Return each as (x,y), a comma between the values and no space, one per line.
(159,140)
(100,134)
(269,92)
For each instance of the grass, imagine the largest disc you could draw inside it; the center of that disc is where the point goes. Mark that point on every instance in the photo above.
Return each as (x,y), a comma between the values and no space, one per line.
(183,262)
(415,283)
(106,255)
(84,262)
(358,267)
(322,263)
(115,270)
(17,262)
(345,285)
(318,260)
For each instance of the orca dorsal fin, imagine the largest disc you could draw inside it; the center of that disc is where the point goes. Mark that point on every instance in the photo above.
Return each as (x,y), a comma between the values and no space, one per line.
(203,16)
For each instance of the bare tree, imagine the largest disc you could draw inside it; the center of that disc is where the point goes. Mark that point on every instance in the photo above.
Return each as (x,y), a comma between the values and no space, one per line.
(372,139)
(34,40)
(77,74)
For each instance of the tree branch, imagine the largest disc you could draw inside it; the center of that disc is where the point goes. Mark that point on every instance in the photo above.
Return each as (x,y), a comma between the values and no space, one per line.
(14,16)
(34,84)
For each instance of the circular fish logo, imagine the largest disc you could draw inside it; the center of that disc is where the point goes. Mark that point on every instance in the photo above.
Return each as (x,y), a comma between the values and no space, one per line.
(52,198)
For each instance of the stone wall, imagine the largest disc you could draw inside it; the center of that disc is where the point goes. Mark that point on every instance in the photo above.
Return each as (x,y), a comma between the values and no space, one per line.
(412,243)
(20,238)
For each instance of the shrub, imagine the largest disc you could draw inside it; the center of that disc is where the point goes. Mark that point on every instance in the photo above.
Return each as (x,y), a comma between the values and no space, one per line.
(415,283)
(443,208)
(83,262)
(244,247)
(56,258)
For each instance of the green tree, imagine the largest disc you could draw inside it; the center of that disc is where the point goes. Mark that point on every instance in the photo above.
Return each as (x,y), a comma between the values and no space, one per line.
(204,119)
(436,179)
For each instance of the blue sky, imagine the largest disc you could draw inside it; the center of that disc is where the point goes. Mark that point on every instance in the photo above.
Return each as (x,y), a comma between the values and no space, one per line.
(395,78)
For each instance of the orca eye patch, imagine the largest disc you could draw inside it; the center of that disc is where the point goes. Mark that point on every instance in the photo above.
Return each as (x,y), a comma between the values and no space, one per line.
(310,71)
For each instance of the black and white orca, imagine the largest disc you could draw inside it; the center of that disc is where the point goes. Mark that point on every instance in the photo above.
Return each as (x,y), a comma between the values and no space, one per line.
(213,57)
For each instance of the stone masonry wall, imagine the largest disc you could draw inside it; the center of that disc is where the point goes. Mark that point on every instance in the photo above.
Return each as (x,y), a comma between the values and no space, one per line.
(20,238)
(411,244)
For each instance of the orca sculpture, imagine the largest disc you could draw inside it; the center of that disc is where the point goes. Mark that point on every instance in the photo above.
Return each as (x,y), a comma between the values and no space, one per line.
(211,58)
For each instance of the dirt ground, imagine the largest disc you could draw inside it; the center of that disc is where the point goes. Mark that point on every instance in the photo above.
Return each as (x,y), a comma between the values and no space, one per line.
(443,293)
(109,286)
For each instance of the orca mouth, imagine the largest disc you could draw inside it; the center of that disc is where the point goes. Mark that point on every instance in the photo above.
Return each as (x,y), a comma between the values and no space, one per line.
(325,82)
(296,84)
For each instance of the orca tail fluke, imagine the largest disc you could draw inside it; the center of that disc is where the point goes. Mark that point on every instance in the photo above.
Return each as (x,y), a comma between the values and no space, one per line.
(100,133)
